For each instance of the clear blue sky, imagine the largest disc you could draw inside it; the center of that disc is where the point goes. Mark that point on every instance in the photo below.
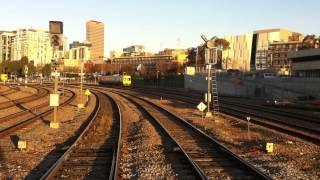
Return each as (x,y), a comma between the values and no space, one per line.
(161,23)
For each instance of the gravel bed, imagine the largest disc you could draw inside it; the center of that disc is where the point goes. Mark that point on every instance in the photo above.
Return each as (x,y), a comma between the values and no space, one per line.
(44,145)
(292,158)
(143,155)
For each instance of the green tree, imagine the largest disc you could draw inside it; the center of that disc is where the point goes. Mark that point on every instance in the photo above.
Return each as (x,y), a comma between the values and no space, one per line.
(46,70)
(192,56)
(24,60)
(31,68)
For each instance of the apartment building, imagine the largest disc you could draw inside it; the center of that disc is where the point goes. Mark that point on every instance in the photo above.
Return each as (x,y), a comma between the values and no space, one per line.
(6,45)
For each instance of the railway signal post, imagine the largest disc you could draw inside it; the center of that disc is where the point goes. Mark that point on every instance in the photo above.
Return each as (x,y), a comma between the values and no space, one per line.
(208,46)
(56,32)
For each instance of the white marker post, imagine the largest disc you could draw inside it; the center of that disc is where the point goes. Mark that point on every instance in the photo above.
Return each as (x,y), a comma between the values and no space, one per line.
(201,107)
(248,119)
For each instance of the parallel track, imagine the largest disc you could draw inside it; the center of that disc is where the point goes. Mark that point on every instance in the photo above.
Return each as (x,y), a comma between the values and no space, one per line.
(94,154)
(305,130)
(211,158)
(24,123)
(41,92)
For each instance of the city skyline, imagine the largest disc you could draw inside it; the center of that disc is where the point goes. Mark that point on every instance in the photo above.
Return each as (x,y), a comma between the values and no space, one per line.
(158,25)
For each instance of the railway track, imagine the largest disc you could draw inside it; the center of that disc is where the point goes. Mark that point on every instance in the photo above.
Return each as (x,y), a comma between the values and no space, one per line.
(11,89)
(304,129)
(148,143)
(211,158)
(93,155)
(41,92)
(26,111)
(249,104)
(26,122)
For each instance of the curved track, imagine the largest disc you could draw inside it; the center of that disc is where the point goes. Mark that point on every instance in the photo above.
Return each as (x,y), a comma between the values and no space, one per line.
(212,159)
(26,122)
(41,92)
(94,153)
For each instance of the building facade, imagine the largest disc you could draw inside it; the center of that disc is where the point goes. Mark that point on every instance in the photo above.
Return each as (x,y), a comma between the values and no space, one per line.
(135,50)
(179,55)
(306,63)
(34,44)
(260,45)
(277,56)
(237,56)
(77,52)
(6,46)
(95,35)
(115,54)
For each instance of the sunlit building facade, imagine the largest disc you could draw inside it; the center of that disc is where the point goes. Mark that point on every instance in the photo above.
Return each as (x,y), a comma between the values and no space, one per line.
(6,45)
(278,56)
(95,35)
(179,55)
(260,45)
(34,44)
(237,56)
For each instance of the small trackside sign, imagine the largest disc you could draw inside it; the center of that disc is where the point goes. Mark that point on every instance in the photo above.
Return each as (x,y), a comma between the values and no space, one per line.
(87,92)
(201,106)
(54,100)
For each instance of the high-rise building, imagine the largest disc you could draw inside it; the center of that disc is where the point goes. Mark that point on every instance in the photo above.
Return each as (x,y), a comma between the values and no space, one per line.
(34,44)
(6,45)
(95,35)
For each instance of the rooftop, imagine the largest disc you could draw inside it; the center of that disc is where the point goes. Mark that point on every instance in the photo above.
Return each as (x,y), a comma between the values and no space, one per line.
(304,53)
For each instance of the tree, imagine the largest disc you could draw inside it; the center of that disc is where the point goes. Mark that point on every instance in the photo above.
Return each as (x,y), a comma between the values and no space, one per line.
(310,41)
(24,60)
(31,68)
(222,42)
(192,56)
(46,70)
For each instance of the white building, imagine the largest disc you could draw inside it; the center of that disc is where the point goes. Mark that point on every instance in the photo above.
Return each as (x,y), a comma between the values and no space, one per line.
(34,44)
(6,45)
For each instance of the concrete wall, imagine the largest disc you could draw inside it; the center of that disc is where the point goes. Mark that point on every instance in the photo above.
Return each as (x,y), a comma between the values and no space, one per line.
(277,88)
